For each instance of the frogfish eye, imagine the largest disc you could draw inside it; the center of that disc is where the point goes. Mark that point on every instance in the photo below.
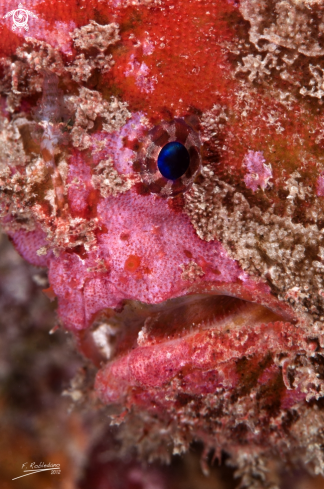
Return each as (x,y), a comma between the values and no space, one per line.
(173,160)
(169,158)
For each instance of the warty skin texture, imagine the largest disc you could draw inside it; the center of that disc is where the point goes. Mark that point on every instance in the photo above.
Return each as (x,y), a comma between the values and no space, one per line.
(200,302)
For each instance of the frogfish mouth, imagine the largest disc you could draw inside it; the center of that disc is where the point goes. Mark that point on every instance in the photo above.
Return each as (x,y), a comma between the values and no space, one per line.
(164,161)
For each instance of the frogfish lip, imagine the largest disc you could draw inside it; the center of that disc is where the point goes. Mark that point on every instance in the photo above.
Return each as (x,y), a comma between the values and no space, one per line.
(146,346)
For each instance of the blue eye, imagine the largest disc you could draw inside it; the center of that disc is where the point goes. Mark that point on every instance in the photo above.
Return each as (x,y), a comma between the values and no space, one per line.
(173,160)
(168,158)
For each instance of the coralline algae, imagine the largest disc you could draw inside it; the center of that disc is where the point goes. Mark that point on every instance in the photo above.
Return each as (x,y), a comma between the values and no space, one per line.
(199,299)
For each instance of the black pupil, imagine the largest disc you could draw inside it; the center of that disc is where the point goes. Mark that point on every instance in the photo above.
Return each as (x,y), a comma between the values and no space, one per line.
(173,160)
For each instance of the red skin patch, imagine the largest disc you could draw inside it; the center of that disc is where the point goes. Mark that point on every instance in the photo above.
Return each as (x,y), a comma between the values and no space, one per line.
(132,263)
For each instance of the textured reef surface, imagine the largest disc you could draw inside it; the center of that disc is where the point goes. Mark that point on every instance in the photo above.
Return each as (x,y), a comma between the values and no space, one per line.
(196,292)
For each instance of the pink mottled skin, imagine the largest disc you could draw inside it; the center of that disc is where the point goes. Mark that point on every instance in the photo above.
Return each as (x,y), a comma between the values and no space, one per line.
(161,239)
(320,186)
(258,172)
(27,243)
(113,144)
(79,181)
(152,366)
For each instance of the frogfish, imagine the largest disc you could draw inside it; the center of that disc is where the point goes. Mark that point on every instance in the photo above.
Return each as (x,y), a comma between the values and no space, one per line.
(164,160)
